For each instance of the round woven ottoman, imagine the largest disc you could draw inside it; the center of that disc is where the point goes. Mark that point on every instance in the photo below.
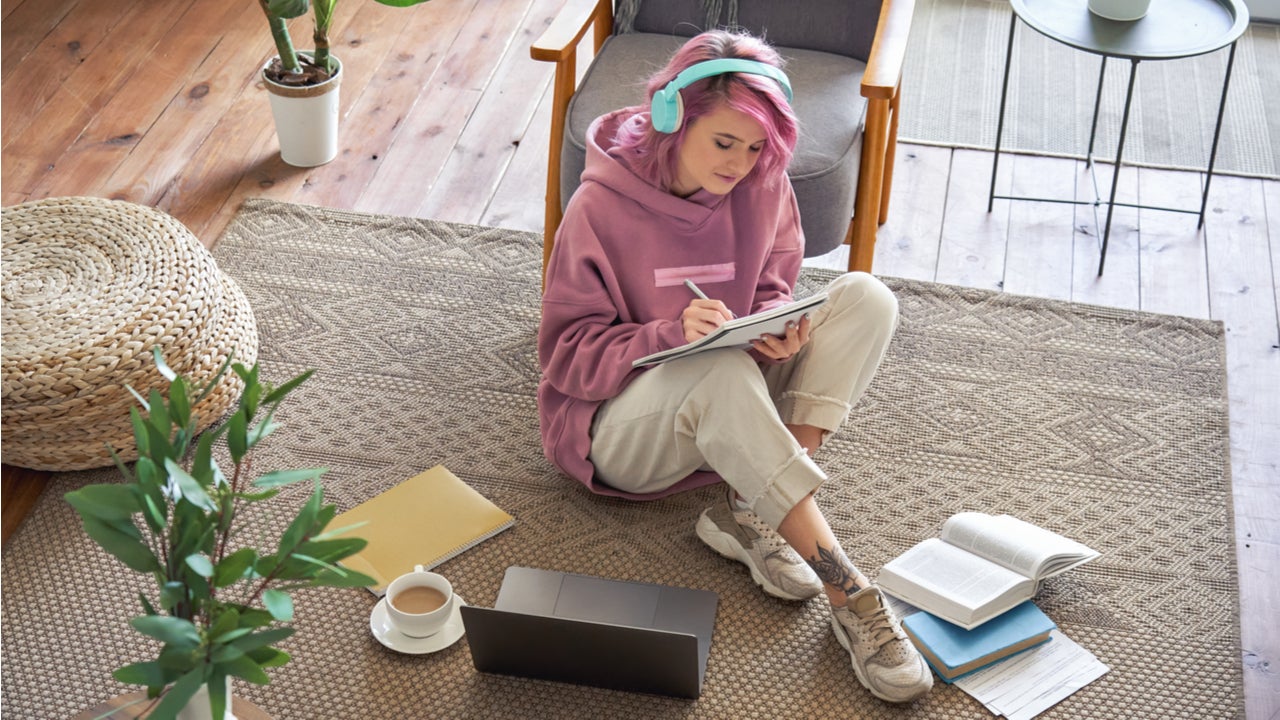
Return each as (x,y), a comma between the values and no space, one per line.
(90,287)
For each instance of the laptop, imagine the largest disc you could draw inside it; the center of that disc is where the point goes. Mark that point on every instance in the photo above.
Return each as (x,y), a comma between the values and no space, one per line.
(587,630)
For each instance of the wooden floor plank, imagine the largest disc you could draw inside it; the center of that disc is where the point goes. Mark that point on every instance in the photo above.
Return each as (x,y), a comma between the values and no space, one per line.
(26,24)
(907,244)
(36,149)
(377,116)
(1119,285)
(519,201)
(131,112)
(1042,247)
(163,154)
(52,57)
(973,244)
(1172,253)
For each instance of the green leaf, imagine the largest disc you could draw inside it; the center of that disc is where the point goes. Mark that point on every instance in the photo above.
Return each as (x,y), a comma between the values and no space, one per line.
(258,497)
(161,365)
(179,403)
(237,438)
(178,632)
(189,487)
(159,415)
(301,524)
(142,673)
(277,394)
(279,604)
(332,533)
(402,3)
(232,567)
(262,639)
(269,657)
(109,502)
(180,694)
(146,605)
(138,396)
(201,565)
(348,578)
(141,437)
(333,550)
(262,430)
(226,621)
(123,542)
(202,461)
(280,478)
(154,515)
(218,695)
(245,667)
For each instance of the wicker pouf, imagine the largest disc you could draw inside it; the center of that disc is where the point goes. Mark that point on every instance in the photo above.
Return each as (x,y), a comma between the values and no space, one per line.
(90,286)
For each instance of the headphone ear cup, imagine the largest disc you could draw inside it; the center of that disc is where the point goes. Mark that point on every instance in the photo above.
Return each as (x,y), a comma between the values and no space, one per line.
(666,112)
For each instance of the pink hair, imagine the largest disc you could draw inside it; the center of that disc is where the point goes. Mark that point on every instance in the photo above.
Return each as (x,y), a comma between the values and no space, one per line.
(654,155)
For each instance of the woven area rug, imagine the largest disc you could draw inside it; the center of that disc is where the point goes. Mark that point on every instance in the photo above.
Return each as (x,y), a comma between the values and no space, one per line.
(955,65)
(1106,425)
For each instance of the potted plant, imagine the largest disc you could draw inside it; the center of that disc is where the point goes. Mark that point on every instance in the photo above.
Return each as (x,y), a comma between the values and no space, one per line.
(219,606)
(304,86)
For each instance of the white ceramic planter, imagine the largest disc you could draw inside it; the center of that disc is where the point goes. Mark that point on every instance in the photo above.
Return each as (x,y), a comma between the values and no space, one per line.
(306,120)
(1122,10)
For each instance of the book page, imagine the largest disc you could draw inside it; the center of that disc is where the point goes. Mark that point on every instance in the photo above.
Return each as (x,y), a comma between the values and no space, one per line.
(1020,546)
(951,582)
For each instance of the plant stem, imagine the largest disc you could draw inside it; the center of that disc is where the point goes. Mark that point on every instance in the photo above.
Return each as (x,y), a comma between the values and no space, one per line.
(284,43)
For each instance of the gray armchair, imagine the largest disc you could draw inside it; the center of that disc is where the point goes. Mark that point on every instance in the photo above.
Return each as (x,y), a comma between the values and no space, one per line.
(844,58)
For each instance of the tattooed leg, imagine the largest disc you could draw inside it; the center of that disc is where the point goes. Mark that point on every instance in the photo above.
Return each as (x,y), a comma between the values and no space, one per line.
(834,568)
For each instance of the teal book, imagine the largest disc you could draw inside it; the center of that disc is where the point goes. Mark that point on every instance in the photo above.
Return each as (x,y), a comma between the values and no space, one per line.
(953,651)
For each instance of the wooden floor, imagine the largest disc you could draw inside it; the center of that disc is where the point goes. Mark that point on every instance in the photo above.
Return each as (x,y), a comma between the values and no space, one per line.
(445,116)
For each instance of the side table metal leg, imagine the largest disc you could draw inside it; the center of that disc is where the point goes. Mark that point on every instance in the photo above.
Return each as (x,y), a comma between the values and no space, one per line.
(1004,95)
(1097,103)
(1217,130)
(1115,177)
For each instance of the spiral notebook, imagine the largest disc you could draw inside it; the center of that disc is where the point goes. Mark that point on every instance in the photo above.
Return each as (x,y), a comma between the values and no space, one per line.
(424,520)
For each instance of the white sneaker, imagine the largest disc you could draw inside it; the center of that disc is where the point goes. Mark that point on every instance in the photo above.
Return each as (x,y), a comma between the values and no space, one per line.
(741,535)
(884,659)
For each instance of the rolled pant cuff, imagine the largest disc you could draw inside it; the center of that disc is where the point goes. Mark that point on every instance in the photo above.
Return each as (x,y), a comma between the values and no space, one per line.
(799,477)
(820,411)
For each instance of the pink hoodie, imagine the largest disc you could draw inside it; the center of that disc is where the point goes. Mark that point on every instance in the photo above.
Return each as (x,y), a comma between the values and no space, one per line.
(615,284)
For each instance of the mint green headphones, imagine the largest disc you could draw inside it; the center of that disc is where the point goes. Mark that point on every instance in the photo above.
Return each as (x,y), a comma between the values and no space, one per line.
(666,111)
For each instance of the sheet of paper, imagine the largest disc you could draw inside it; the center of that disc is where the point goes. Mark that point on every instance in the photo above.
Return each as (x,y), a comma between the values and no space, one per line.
(1029,683)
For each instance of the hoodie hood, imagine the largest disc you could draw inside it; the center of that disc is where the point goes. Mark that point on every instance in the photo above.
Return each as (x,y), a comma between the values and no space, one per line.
(608,165)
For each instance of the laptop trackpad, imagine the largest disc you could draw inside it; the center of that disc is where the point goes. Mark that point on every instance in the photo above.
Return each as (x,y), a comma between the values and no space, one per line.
(607,601)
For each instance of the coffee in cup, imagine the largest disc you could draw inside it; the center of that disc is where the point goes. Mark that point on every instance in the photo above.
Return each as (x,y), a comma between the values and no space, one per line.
(419,603)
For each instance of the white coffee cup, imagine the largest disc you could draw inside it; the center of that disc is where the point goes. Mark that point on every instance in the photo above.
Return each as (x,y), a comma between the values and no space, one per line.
(414,603)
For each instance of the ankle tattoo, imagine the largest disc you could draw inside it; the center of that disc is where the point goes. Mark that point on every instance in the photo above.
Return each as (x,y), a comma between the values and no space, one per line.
(834,568)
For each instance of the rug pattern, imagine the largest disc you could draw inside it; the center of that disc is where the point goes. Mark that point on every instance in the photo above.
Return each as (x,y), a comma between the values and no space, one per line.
(1109,426)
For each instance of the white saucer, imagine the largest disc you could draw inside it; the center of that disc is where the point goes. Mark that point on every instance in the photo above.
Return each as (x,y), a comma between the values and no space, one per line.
(386,634)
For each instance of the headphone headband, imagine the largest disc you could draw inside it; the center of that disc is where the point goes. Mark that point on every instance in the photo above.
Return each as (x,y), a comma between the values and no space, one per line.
(667,106)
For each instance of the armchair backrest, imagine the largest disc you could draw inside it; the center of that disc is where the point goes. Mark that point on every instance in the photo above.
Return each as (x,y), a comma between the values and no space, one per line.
(842,27)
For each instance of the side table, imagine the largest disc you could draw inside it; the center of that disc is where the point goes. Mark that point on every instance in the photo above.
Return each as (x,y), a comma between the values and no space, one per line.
(1171,29)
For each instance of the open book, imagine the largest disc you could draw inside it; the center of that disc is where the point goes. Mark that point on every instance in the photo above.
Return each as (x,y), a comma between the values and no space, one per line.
(739,332)
(981,566)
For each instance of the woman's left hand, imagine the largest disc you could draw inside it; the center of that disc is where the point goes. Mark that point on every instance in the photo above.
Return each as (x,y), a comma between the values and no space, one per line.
(782,347)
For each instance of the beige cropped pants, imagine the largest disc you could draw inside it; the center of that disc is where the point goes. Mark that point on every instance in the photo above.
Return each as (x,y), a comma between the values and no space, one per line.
(721,410)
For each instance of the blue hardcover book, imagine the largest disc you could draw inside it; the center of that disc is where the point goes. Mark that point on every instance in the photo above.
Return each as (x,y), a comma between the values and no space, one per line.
(953,651)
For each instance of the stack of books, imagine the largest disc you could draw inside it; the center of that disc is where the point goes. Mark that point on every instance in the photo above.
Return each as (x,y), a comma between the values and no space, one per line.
(973,586)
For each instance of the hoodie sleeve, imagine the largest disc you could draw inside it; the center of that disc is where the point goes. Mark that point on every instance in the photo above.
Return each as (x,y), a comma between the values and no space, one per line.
(583,346)
(782,266)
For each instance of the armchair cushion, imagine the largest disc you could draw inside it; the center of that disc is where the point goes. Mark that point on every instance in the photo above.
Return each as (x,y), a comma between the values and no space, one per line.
(828,102)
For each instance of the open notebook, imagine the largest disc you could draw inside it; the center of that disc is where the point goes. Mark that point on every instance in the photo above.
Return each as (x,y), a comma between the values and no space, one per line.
(424,520)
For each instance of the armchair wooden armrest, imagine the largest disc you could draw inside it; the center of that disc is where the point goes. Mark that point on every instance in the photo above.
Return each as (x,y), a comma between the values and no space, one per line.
(881,85)
(559,44)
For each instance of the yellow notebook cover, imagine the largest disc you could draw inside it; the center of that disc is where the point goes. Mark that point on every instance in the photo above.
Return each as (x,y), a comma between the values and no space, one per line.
(424,520)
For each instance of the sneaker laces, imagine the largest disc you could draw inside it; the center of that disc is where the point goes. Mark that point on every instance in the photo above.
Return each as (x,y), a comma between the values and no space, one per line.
(880,625)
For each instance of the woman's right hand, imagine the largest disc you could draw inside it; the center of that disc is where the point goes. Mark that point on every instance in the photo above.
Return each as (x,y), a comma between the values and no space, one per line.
(703,316)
